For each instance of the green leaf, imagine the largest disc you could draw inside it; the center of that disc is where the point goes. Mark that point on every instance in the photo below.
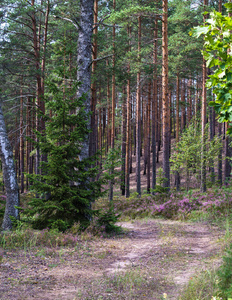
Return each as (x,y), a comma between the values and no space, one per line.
(212,103)
(228,6)
(222,74)
(230,109)
(198,31)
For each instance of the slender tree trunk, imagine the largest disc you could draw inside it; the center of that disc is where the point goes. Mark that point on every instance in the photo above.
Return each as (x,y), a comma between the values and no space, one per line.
(165,99)
(189,108)
(149,139)
(182,105)
(220,154)
(28,142)
(9,177)
(220,128)
(16,147)
(177,175)
(159,124)
(144,135)
(138,116)
(92,143)
(108,112)
(101,131)
(212,134)
(227,162)
(203,120)
(154,106)
(228,150)
(36,44)
(21,144)
(124,126)
(113,109)
(128,126)
(220,6)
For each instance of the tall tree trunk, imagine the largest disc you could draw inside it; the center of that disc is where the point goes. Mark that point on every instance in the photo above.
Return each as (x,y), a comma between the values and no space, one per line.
(28,142)
(220,128)
(128,126)
(203,119)
(220,154)
(154,105)
(189,108)
(40,62)
(165,98)
(182,105)
(9,177)
(212,134)
(124,120)
(108,112)
(228,150)
(227,162)
(177,175)
(21,143)
(113,109)
(144,132)
(138,116)
(36,47)
(84,59)
(149,139)
(92,143)
(159,121)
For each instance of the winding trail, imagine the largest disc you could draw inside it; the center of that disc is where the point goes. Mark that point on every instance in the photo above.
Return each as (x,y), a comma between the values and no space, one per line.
(153,257)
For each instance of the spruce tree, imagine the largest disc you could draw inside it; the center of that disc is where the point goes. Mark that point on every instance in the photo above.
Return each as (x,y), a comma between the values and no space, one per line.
(64,190)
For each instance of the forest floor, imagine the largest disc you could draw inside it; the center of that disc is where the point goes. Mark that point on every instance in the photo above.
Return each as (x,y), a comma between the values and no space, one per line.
(152,257)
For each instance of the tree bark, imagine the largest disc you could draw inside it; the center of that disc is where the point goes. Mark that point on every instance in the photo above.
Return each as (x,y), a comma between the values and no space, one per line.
(84,59)
(154,106)
(128,126)
(9,177)
(138,116)
(93,131)
(189,108)
(124,126)
(113,109)
(203,119)
(182,105)
(21,144)
(177,175)
(149,139)
(165,98)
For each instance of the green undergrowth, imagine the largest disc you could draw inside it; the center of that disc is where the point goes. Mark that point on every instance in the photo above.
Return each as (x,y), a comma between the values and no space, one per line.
(213,207)
(202,286)
(29,238)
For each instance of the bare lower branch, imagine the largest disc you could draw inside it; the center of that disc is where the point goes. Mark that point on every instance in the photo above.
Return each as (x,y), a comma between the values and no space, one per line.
(76,24)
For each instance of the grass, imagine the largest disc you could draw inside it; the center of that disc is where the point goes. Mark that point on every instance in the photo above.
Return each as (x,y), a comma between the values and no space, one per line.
(202,286)
(131,284)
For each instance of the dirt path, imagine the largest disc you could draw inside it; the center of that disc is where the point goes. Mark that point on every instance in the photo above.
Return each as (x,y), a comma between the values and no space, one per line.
(153,257)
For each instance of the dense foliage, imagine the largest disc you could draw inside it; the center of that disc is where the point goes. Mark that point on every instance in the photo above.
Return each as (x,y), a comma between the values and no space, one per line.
(64,189)
(217,52)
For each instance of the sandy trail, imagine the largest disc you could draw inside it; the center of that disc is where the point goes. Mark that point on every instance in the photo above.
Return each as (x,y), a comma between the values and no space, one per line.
(159,255)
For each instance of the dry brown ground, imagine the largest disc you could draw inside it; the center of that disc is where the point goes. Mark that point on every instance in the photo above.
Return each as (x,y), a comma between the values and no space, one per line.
(153,257)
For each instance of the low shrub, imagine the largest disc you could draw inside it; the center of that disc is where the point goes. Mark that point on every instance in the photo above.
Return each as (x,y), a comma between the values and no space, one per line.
(225,275)
(29,238)
(177,205)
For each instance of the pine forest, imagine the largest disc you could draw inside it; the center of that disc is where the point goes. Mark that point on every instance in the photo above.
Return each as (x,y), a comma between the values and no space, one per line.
(115,129)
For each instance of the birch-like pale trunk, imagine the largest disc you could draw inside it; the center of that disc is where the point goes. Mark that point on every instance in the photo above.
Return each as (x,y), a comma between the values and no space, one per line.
(9,176)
